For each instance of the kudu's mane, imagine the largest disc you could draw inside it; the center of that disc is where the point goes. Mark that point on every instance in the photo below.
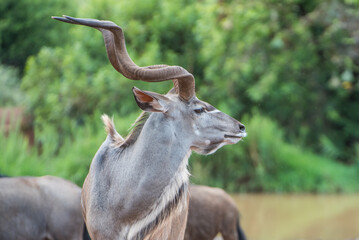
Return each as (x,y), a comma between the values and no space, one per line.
(135,130)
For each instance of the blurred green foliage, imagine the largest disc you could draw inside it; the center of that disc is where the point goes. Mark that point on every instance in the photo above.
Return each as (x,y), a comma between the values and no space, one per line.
(263,162)
(25,28)
(292,61)
(10,92)
(73,160)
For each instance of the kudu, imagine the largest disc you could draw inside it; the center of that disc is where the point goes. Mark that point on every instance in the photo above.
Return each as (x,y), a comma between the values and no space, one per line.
(212,211)
(40,208)
(137,187)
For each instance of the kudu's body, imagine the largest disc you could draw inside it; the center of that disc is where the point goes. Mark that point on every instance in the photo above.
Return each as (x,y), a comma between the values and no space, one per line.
(137,187)
(40,208)
(212,211)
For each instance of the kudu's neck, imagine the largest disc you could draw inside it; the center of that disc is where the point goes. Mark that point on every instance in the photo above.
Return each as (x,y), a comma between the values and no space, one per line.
(161,144)
(157,166)
(160,153)
(150,161)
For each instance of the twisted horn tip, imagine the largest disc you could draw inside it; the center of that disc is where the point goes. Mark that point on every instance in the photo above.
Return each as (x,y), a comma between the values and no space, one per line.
(63,19)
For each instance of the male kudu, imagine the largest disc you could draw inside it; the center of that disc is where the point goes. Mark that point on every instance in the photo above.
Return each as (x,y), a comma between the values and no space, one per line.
(212,211)
(137,187)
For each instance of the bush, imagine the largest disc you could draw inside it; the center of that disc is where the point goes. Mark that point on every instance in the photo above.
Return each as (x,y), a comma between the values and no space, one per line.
(26,26)
(291,61)
(73,160)
(10,93)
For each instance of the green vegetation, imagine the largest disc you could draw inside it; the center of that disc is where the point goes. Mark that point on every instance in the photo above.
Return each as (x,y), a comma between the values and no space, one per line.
(287,69)
(73,160)
(263,162)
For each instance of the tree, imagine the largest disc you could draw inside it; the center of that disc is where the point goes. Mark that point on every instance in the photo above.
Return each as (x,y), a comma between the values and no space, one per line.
(26,26)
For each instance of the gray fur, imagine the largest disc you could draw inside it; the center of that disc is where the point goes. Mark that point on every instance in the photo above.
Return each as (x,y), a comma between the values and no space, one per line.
(40,208)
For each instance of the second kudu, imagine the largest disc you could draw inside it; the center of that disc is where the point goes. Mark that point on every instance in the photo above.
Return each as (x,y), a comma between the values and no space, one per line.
(137,187)
(212,211)
(40,208)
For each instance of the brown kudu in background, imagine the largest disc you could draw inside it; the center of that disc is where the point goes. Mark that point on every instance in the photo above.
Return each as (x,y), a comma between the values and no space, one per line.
(212,211)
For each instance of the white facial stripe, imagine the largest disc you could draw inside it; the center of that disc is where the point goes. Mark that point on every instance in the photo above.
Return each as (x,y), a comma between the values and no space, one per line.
(214,111)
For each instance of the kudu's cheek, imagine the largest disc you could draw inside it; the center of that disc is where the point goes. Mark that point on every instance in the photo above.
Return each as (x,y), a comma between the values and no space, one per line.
(209,146)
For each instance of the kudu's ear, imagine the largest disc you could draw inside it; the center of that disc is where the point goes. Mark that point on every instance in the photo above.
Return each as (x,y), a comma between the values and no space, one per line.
(150,101)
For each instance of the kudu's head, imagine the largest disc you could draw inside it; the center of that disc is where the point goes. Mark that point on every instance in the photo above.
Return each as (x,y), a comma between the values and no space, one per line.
(204,126)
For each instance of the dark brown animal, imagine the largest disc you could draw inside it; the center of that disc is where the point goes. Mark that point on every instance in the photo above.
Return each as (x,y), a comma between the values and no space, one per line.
(40,208)
(212,211)
(16,117)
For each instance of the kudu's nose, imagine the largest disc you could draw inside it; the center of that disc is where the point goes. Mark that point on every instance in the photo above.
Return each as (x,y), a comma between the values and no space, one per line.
(242,128)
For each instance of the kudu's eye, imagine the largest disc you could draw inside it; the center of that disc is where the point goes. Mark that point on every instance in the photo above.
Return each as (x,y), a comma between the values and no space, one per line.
(200,110)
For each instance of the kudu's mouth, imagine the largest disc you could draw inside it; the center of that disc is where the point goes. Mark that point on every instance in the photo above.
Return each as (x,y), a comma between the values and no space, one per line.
(240,135)
(233,139)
